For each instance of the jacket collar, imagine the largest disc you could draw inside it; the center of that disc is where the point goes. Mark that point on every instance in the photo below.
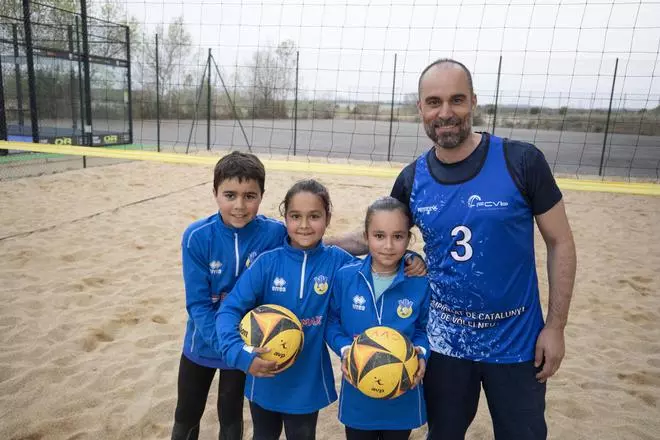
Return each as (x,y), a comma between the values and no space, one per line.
(230,230)
(299,254)
(365,270)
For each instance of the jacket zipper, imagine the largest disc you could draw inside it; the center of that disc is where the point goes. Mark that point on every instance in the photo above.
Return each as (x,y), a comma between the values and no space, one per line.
(302,275)
(379,315)
(236,251)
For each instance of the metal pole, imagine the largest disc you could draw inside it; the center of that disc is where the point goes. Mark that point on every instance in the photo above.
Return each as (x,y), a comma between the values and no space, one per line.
(208,105)
(233,107)
(80,82)
(497,94)
(72,80)
(295,108)
(34,118)
(87,127)
(157,100)
(3,118)
(199,97)
(19,82)
(389,143)
(129,92)
(607,121)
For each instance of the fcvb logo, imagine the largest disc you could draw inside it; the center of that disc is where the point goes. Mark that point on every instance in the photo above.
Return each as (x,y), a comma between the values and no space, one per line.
(320,284)
(405,308)
(475,202)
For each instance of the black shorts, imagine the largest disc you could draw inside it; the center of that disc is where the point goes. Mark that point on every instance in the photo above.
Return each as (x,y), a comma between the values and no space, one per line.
(516,400)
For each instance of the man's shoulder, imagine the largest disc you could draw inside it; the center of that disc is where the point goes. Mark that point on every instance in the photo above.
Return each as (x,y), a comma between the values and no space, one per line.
(522,152)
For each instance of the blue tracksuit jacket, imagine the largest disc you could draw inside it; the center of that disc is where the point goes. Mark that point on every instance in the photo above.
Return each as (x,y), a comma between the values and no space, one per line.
(300,281)
(404,306)
(213,256)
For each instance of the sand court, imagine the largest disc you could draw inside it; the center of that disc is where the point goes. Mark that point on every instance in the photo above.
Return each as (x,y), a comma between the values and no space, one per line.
(93,312)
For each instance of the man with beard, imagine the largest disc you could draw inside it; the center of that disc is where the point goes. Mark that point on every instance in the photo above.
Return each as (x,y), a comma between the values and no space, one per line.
(475,197)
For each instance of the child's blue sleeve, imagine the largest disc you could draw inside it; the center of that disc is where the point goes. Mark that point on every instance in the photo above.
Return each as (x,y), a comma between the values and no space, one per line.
(420,338)
(246,294)
(335,336)
(197,283)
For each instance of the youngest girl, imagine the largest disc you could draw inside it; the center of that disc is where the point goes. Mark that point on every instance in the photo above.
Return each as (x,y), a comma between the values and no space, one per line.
(376,292)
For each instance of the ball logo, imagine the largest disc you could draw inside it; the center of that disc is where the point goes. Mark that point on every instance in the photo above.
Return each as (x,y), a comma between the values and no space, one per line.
(320,284)
(405,308)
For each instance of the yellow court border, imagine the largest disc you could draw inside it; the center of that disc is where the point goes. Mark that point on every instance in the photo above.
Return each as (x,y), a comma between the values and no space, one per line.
(649,189)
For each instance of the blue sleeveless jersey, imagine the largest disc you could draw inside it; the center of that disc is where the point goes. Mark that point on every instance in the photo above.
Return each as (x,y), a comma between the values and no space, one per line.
(479,245)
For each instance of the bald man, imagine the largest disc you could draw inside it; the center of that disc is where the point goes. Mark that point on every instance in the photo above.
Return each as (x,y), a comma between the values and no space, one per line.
(475,198)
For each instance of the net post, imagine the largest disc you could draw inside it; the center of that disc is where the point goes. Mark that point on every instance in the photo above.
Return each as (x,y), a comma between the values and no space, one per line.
(129,93)
(34,118)
(208,104)
(3,117)
(607,121)
(19,82)
(87,126)
(295,107)
(80,82)
(157,99)
(74,119)
(497,94)
(389,142)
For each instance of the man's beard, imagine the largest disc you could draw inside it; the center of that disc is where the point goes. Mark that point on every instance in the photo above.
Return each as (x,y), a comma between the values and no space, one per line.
(449,140)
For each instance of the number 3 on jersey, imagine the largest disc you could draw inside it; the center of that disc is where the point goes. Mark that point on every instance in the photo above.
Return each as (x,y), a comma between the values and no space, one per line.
(464,235)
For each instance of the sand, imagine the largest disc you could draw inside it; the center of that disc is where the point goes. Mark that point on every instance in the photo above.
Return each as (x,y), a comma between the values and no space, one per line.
(92,315)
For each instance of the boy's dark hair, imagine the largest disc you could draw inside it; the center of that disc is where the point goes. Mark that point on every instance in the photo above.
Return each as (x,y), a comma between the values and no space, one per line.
(386,204)
(241,166)
(311,186)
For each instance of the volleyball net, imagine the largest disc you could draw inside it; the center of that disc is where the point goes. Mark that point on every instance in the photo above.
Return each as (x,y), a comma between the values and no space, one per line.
(328,81)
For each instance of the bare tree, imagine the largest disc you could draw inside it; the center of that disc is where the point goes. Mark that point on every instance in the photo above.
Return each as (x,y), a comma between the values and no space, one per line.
(173,55)
(269,79)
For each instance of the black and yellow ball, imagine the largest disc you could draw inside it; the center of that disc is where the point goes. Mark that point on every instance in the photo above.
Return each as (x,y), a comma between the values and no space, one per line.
(382,363)
(274,327)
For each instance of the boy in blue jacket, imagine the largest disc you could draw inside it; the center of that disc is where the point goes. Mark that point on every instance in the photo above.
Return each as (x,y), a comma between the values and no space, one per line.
(215,251)
(376,292)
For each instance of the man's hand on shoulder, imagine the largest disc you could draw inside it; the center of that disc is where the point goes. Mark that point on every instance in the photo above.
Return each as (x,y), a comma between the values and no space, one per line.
(414,265)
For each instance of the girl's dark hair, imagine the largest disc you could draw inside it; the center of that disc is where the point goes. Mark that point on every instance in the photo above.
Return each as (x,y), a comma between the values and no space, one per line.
(311,186)
(386,204)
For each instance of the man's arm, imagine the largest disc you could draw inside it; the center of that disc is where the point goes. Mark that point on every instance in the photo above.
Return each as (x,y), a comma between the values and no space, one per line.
(352,242)
(562,262)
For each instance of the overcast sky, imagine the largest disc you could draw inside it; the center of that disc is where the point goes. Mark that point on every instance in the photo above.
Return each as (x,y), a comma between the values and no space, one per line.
(551,49)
